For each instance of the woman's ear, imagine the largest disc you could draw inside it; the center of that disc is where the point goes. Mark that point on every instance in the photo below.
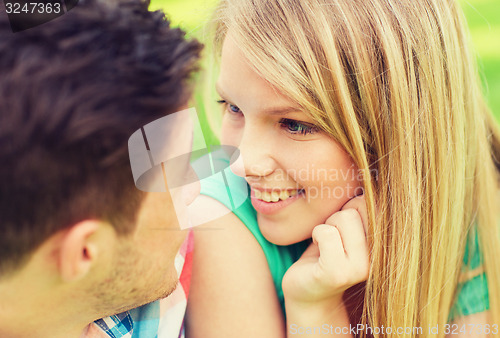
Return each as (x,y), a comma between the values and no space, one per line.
(79,250)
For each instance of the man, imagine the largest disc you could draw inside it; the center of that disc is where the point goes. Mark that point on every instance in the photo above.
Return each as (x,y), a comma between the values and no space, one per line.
(78,241)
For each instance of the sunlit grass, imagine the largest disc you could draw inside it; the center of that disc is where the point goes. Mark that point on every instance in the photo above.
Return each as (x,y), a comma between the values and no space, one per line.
(483,17)
(191,15)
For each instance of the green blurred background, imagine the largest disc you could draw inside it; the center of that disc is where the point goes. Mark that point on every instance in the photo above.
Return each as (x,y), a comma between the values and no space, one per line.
(483,17)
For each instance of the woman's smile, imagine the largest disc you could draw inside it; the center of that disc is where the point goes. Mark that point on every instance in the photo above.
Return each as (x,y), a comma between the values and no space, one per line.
(272,201)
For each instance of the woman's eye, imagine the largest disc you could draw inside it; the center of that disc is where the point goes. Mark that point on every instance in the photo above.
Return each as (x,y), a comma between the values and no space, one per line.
(231,108)
(296,127)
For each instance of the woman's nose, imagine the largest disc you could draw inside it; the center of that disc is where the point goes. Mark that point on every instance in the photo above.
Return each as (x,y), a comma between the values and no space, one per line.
(255,157)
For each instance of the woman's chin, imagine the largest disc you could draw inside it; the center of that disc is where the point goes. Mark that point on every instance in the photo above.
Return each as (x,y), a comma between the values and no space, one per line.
(281,234)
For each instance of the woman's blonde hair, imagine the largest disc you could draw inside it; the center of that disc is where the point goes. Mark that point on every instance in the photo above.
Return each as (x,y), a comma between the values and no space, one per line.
(395,84)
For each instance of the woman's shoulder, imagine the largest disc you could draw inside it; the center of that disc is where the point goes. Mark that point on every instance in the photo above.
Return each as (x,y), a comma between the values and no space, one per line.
(219,182)
(224,287)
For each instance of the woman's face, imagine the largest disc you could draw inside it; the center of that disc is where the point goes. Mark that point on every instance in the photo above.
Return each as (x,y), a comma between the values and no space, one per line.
(298,175)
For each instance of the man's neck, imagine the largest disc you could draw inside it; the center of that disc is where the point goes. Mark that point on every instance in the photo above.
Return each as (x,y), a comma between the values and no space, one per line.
(27,312)
(24,327)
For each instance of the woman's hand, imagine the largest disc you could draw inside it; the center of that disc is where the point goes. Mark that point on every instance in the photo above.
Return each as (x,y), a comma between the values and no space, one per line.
(337,259)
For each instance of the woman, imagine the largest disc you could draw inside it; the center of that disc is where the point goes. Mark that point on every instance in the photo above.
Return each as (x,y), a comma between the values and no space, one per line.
(387,90)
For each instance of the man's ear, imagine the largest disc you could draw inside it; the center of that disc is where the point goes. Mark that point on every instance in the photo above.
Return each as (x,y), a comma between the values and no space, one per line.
(78,250)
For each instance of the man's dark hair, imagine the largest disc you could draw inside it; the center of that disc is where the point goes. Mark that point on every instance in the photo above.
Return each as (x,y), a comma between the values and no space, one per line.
(72,91)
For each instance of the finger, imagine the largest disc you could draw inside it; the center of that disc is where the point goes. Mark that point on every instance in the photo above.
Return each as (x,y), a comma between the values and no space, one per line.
(359,204)
(352,234)
(329,242)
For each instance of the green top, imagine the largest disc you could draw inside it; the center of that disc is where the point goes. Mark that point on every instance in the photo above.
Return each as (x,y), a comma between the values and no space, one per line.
(233,192)
(472,295)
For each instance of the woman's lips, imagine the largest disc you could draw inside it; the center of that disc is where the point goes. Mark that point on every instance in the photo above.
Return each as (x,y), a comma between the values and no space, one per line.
(263,203)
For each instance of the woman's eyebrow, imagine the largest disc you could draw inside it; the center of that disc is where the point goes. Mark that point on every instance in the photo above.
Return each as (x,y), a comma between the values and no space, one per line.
(282,110)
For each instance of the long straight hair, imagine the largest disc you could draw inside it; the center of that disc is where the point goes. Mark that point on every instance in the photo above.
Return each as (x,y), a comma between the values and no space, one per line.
(395,84)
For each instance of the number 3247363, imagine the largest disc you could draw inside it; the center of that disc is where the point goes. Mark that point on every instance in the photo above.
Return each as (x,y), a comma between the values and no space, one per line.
(471,328)
(33,8)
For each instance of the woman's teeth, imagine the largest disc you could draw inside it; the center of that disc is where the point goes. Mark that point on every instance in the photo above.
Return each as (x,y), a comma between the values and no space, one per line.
(275,196)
